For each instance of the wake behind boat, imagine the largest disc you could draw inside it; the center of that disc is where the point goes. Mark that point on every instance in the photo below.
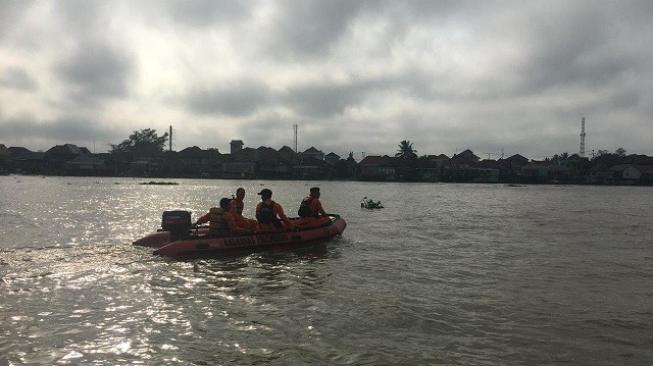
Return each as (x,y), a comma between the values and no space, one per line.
(177,238)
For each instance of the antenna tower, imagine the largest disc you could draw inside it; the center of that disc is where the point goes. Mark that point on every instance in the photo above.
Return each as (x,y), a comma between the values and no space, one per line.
(295,127)
(170,139)
(582,138)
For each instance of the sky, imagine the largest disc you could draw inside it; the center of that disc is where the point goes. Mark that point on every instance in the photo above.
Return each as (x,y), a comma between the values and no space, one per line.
(360,76)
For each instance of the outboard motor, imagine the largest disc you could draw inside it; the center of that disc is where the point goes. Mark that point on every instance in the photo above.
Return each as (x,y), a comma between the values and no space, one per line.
(177,222)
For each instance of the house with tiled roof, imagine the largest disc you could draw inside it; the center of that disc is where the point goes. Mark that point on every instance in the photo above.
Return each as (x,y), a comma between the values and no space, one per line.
(465,158)
(375,167)
(15,151)
(286,153)
(332,158)
(313,153)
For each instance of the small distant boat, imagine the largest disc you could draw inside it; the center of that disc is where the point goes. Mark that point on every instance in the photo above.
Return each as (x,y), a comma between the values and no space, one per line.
(178,239)
(370,204)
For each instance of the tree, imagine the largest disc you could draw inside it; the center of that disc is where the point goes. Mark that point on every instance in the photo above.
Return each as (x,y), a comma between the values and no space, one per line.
(600,153)
(143,143)
(406,150)
(621,152)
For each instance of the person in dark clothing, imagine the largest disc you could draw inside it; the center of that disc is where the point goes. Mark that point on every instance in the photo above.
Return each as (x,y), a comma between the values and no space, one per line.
(270,215)
(311,205)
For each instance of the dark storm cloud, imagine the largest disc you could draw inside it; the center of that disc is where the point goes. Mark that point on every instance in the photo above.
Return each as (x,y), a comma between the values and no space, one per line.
(577,47)
(16,78)
(230,99)
(32,132)
(204,13)
(325,100)
(309,28)
(98,70)
(328,99)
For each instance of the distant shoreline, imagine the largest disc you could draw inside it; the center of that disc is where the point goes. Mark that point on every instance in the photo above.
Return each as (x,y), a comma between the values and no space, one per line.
(167,183)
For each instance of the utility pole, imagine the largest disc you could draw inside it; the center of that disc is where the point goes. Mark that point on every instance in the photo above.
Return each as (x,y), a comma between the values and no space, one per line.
(170,138)
(295,128)
(582,138)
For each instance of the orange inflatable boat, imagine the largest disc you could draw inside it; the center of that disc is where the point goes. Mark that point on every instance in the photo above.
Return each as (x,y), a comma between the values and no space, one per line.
(178,239)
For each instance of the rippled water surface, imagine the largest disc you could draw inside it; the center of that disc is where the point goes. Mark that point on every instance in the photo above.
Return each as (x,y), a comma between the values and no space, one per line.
(445,274)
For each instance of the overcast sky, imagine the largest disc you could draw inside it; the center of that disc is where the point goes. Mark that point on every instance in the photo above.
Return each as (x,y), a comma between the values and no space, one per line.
(354,75)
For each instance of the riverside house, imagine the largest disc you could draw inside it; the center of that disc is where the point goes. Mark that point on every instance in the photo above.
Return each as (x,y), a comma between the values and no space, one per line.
(374,167)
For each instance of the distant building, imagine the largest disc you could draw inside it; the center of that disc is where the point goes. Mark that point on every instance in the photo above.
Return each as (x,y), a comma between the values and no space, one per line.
(4,158)
(374,167)
(66,152)
(313,153)
(15,151)
(332,158)
(311,168)
(30,162)
(236,146)
(287,154)
(86,165)
(465,158)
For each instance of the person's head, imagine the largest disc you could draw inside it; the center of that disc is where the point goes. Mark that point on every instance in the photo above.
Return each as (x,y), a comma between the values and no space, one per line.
(265,194)
(224,203)
(315,192)
(240,193)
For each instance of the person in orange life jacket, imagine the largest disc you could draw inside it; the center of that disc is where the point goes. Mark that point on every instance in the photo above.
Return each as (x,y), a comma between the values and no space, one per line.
(270,215)
(311,205)
(236,209)
(221,222)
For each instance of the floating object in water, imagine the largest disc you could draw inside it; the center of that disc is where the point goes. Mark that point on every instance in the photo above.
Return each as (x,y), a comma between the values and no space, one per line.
(153,183)
(177,238)
(370,203)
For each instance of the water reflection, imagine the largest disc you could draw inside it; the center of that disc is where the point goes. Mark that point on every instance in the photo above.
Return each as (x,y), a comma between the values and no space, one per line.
(485,275)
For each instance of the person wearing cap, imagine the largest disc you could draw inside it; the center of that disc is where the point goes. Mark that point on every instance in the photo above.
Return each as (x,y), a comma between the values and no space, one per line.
(236,209)
(311,205)
(221,222)
(270,215)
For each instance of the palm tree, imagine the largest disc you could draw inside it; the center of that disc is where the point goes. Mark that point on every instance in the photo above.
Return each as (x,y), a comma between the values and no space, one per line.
(406,150)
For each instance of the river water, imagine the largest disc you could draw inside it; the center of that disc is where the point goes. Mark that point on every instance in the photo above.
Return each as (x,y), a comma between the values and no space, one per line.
(446,274)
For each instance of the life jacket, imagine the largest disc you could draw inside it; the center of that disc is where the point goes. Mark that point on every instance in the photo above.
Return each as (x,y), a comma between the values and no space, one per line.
(217,223)
(305,209)
(265,215)
(240,205)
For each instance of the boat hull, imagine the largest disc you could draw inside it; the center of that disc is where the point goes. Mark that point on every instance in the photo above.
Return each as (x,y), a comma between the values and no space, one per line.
(200,245)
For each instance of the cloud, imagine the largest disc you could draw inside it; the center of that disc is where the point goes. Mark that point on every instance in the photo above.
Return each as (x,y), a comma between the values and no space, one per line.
(97,69)
(355,75)
(309,28)
(17,78)
(325,100)
(208,13)
(47,133)
(11,13)
(235,99)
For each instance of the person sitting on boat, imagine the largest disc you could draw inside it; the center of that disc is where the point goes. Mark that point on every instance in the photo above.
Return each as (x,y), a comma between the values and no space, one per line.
(311,205)
(221,221)
(311,212)
(270,215)
(236,209)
